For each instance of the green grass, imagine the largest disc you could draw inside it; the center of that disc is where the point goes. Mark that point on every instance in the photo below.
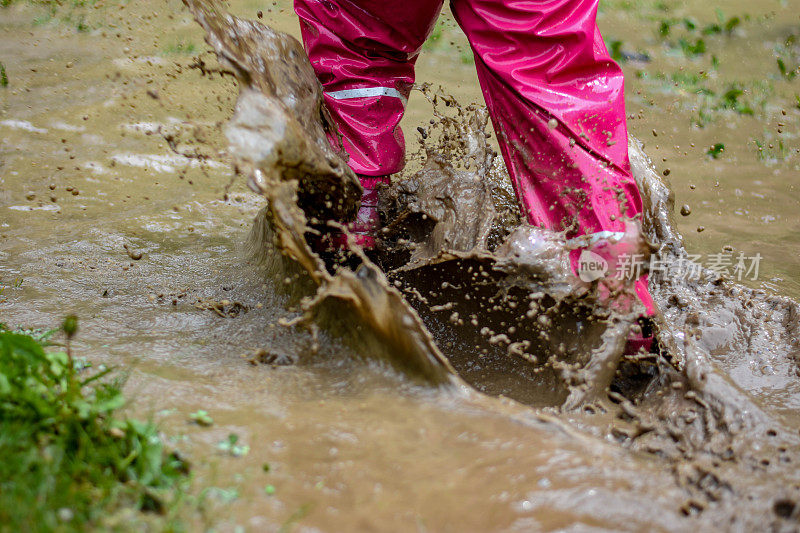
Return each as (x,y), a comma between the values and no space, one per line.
(435,38)
(53,3)
(773,150)
(739,98)
(716,150)
(3,75)
(68,12)
(710,99)
(46,17)
(787,58)
(443,39)
(68,461)
(691,36)
(180,48)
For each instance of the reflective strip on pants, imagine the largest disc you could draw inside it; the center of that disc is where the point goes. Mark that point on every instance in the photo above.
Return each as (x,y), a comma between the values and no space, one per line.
(367,92)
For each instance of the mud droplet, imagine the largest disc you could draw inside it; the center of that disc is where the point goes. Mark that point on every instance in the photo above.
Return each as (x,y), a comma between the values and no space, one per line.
(784,508)
(686,210)
(552,124)
(133,254)
(701,229)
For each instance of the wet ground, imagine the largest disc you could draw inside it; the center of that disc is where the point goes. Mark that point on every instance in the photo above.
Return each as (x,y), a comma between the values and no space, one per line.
(99,217)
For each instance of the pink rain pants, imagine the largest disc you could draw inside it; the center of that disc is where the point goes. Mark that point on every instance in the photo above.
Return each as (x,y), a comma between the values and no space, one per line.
(555,96)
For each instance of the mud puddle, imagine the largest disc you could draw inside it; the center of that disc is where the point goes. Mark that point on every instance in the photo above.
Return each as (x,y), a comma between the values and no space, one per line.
(349,444)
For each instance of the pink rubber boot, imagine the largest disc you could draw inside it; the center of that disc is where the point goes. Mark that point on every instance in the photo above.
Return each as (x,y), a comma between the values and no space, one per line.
(364,228)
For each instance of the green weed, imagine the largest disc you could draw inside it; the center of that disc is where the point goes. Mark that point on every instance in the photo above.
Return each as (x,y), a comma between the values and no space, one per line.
(692,42)
(738,98)
(81,25)
(435,38)
(715,151)
(68,461)
(180,48)
(615,49)
(295,517)
(692,48)
(71,13)
(232,447)
(787,73)
(772,152)
(46,17)
(786,58)
(731,99)
(723,25)
(201,418)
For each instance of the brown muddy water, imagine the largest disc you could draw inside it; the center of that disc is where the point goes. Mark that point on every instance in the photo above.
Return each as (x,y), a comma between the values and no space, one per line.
(100,217)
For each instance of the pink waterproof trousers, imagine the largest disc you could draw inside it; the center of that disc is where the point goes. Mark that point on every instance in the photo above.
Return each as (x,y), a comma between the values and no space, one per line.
(537,60)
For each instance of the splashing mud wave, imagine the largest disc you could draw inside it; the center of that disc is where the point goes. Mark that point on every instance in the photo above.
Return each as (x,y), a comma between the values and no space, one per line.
(496,306)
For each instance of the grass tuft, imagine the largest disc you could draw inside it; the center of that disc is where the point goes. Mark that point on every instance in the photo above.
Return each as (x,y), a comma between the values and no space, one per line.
(68,462)
(180,48)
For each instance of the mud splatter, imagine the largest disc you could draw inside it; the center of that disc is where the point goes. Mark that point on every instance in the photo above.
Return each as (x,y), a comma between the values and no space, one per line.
(517,322)
(278,139)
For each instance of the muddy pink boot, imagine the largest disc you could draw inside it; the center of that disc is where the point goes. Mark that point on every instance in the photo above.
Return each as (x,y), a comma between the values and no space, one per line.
(367,223)
(643,340)
(618,259)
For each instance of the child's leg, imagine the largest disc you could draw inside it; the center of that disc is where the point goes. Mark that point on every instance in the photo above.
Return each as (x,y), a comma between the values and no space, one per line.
(556,99)
(363,52)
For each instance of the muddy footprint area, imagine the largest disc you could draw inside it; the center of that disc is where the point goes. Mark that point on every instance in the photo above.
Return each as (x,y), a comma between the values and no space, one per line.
(460,378)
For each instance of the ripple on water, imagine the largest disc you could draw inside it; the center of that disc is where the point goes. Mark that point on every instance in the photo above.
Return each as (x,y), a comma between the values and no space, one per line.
(44,207)
(22,125)
(161,163)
